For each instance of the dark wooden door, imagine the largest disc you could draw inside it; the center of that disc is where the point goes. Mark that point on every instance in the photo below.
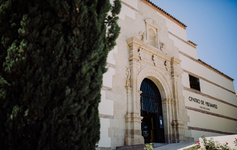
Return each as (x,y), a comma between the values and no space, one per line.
(151,111)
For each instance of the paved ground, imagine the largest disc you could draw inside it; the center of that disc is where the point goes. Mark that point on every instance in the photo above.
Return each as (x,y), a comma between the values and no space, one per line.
(173,146)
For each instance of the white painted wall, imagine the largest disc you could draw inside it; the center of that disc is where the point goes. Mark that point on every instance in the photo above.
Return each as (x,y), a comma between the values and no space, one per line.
(106,106)
(132,3)
(185,80)
(184,47)
(174,28)
(126,11)
(218,92)
(110,58)
(223,109)
(108,76)
(211,122)
(105,140)
(206,73)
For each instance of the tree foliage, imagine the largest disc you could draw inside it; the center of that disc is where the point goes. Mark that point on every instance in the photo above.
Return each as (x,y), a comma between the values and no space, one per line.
(52,57)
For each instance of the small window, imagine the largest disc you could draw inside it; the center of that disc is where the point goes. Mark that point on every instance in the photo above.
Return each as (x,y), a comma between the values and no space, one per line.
(194,82)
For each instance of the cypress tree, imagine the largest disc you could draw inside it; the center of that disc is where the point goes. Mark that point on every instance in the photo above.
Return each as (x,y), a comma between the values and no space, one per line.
(52,57)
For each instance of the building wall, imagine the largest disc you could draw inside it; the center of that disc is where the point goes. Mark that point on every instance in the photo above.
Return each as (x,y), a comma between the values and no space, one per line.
(215,88)
(197,119)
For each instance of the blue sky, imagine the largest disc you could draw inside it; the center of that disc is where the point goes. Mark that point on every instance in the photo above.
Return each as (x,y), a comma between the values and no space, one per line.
(212,25)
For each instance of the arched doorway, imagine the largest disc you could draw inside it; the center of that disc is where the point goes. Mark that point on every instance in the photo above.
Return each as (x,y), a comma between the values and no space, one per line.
(151,110)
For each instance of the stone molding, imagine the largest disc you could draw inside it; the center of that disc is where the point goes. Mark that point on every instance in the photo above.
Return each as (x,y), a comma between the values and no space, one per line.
(106,116)
(187,42)
(208,81)
(133,117)
(105,88)
(134,42)
(210,113)
(208,96)
(206,65)
(209,130)
(110,65)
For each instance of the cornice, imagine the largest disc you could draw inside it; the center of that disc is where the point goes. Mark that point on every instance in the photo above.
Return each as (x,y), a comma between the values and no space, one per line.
(187,42)
(136,43)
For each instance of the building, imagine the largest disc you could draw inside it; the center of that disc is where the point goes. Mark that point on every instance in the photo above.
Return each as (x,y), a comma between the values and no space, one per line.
(156,89)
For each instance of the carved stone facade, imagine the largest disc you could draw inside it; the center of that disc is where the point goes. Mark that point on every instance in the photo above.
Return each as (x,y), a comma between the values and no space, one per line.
(153,46)
(175,122)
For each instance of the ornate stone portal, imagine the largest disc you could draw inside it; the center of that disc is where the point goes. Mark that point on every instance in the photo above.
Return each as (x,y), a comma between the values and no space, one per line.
(148,62)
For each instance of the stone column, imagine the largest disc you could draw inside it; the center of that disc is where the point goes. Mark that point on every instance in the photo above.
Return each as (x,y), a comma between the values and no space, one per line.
(167,118)
(132,118)
(178,120)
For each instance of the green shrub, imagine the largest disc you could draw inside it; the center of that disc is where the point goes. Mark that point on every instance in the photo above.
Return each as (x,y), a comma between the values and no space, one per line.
(148,146)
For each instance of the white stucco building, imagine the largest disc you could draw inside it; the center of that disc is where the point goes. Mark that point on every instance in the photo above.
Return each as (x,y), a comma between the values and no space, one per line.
(156,89)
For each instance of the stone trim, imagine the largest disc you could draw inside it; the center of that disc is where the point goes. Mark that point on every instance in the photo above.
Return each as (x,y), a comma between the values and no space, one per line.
(110,65)
(194,44)
(164,13)
(129,6)
(187,42)
(208,81)
(209,130)
(105,88)
(106,116)
(133,132)
(190,57)
(208,96)
(134,42)
(206,65)
(210,113)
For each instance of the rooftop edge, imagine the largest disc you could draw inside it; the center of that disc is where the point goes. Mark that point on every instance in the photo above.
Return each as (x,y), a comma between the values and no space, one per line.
(215,69)
(166,14)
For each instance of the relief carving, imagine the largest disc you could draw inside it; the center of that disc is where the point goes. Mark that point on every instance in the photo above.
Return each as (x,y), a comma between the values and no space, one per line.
(155,60)
(167,65)
(162,46)
(141,54)
(128,76)
(143,37)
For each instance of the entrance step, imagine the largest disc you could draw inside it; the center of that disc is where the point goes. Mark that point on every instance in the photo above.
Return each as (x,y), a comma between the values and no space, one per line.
(173,146)
(159,144)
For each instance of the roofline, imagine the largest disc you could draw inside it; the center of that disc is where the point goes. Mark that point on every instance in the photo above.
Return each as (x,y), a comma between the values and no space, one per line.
(202,62)
(164,13)
(206,65)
